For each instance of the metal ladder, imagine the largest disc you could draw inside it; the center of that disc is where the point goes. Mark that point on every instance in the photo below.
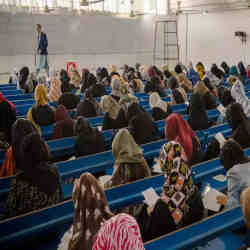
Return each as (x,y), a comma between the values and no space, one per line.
(170,46)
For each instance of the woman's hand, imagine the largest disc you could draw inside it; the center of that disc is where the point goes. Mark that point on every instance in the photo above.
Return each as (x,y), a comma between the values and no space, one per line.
(222,200)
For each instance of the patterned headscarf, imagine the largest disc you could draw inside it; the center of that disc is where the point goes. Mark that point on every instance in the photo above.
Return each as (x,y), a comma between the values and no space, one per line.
(178,186)
(91,210)
(119,233)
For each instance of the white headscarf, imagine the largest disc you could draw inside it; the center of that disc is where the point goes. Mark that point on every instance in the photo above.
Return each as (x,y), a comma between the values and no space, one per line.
(156,102)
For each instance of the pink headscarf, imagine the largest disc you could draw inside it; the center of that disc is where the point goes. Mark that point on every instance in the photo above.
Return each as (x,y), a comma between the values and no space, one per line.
(121,232)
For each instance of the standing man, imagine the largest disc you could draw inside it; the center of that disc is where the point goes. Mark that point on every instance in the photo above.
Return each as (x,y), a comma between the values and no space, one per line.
(42,50)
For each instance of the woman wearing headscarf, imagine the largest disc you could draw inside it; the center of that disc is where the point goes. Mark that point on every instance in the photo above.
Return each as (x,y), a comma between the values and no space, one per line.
(126,98)
(116,89)
(185,83)
(88,140)
(31,83)
(69,100)
(225,67)
(234,71)
(200,69)
(217,72)
(197,117)
(128,230)
(115,116)
(154,85)
(91,211)
(239,123)
(88,107)
(239,95)
(65,82)
(237,166)
(141,125)
(178,96)
(211,82)
(38,185)
(172,83)
(64,125)
(209,98)
(7,118)
(41,114)
(136,86)
(130,164)
(180,203)
(98,89)
(88,79)
(160,109)
(114,72)
(177,129)
(242,70)
(23,76)
(55,90)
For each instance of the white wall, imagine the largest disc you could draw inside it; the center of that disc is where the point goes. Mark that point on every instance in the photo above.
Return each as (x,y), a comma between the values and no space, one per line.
(211,37)
(104,40)
(88,40)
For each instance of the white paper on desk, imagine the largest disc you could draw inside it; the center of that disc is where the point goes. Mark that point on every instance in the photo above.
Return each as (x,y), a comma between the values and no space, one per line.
(221,109)
(221,139)
(209,200)
(220,177)
(99,128)
(151,197)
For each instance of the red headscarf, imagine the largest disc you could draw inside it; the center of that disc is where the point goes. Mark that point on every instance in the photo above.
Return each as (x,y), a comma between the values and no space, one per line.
(151,72)
(3,99)
(177,129)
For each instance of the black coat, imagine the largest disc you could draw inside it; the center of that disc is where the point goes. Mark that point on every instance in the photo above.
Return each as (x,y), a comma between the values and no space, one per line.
(119,122)
(86,109)
(69,100)
(158,114)
(210,101)
(43,115)
(87,144)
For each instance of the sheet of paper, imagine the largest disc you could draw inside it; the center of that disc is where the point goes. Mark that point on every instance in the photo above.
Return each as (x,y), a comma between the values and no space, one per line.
(221,139)
(220,177)
(151,197)
(99,128)
(221,109)
(210,201)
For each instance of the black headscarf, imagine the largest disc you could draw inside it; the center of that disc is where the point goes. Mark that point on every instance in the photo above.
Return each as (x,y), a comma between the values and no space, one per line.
(88,79)
(20,129)
(173,83)
(208,84)
(225,96)
(178,69)
(69,100)
(232,154)
(36,169)
(65,80)
(197,117)
(242,69)
(217,72)
(23,76)
(133,110)
(225,68)
(178,96)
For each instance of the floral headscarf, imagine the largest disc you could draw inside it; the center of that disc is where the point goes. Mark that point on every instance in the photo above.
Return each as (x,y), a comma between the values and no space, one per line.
(178,186)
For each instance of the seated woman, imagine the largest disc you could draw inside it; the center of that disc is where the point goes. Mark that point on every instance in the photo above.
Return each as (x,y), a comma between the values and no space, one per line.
(128,230)
(239,95)
(23,76)
(239,123)
(31,83)
(185,83)
(116,89)
(88,140)
(201,70)
(91,211)
(208,97)
(88,79)
(238,173)
(177,129)
(136,86)
(13,157)
(126,98)
(130,164)
(160,109)
(41,114)
(197,117)
(141,125)
(64,125)
(69,100)
(180,203)
(38,185)
(115,116)
(76,82)
(65,80)
(178,96)
(55,90)
(7,118)
(154,85)
(88,107)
